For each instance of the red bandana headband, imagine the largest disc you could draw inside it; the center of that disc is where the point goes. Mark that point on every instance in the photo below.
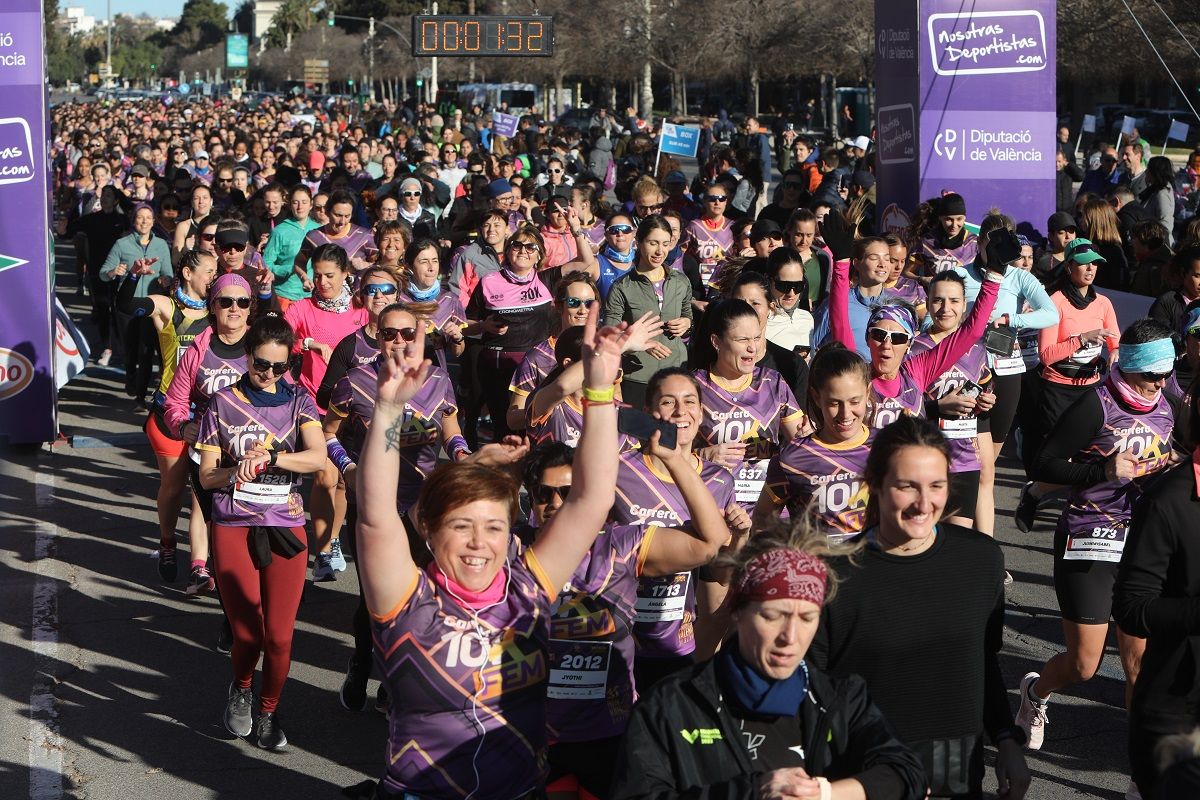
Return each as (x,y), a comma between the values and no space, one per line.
(782,574)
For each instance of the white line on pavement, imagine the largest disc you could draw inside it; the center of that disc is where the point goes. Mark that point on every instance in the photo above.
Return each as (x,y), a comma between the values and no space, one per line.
(45,743)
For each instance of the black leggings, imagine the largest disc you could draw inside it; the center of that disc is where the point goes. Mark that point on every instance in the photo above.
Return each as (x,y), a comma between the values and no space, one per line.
(1052,401)
(1008,396)
(495,372)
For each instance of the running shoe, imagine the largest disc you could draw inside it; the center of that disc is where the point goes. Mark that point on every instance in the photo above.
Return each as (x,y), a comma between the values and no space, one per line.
(1027,506)
(104,358)
(168,568)
(336,559)
(1008,578)
(323,569)
(201,581)
(1032,716)
(353,695)
(268,733)
(225,637)
(239,711)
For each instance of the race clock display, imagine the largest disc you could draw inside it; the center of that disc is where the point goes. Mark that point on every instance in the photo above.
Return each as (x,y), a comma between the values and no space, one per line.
(477,36)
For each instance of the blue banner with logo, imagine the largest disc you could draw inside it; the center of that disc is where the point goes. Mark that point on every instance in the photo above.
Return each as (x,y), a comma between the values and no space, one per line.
(27,393)
(679,140)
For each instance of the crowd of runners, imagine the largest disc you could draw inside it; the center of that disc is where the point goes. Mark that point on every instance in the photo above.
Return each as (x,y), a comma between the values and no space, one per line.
(653,487)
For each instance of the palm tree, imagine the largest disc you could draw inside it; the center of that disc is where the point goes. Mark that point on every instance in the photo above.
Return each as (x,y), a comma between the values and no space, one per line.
(293,17)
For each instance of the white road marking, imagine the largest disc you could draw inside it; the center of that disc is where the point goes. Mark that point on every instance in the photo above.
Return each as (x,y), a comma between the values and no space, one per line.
(45,742)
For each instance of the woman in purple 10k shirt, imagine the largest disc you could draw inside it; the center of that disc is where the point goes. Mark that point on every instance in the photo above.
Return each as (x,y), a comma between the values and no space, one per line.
(256,439)
(463,643)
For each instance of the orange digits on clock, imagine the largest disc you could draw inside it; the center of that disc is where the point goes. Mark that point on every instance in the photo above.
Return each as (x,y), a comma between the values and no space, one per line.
(447,42)
(429,28)
(471,29)
(514,36)
(534,43)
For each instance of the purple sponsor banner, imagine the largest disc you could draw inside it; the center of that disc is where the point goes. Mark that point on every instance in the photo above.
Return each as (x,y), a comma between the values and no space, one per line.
(27,391)
(983,93)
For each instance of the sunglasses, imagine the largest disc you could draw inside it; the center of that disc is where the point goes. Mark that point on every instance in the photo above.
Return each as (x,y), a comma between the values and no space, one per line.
(576,302)
(1155,377)
(224,180)
(617,230)
(787,287)
(525,247)
(545,494)
(644,210)
(396,334)
(262,365)
(319,208)
(792,185)
(207,237)
(226,303)
(881,335)
(410,194)
(234,246)
(714,198)
(372,289)
(554,171)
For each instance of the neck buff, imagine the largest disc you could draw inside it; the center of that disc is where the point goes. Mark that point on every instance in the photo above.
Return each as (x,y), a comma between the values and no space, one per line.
(472,600)
(1129,396)
(187,302)
(1075,297)
(424,295)
(616,256)
(337,305)
(278,395)
(900,314)
(753,692)
(515,278)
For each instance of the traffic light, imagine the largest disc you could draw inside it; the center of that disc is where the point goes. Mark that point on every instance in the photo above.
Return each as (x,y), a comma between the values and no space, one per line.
(330,20)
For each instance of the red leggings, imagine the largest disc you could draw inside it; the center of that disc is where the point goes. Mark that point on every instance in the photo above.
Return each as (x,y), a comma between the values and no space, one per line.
(261,605)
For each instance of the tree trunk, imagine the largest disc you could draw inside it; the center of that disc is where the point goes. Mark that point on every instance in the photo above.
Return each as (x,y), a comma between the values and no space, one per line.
(754,81)
(647,91)
(612,97)
(558,93)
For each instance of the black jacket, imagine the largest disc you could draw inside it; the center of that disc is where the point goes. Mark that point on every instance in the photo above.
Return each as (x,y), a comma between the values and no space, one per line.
(683,741)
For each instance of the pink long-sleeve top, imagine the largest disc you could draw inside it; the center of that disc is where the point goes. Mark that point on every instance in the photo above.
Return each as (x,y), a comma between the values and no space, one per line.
(327,327)
(925,368)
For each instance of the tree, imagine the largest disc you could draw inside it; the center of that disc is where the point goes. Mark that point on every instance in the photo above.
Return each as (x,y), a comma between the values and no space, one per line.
(292,18)
(243,18)
(201,23)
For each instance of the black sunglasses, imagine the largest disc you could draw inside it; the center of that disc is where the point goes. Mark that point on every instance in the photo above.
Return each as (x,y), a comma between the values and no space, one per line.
(783,287)
(576,302)
(714,198)
(207,237)
(792,185)
(396,334)
(1155,377)
(654,209)
(277,367)
(881,335)
(226,303)
(619,229)
(236,246)
(546,494)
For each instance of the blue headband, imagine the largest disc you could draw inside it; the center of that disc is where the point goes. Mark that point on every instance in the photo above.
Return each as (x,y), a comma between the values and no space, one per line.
(1157,356)
(1192,321)
(901,315)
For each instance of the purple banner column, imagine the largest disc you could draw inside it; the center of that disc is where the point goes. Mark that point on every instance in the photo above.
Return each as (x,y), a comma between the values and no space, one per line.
(27,391)
(979,79)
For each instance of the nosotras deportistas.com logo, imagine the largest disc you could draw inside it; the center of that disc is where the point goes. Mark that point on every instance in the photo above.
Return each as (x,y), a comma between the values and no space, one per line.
(16,151)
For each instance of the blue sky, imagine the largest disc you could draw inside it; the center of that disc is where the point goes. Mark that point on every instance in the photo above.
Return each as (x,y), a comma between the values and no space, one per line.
(157,8)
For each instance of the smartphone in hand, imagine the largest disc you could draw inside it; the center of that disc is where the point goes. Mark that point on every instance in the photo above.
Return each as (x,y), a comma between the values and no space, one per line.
(641,426)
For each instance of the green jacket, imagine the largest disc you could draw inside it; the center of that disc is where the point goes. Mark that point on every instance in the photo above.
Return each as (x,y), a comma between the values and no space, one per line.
(631,296)
(128,250)
(280,256)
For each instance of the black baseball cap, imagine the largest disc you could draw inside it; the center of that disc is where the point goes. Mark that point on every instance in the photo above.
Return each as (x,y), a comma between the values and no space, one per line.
(763,229)
(1060,221)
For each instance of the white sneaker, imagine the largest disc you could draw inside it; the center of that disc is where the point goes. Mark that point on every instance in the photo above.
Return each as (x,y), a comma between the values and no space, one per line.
(104,358)
(1032,716)
(1132,792)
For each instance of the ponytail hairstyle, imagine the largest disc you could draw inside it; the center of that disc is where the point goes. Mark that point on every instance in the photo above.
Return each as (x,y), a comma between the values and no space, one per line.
(716,322)
(833,360)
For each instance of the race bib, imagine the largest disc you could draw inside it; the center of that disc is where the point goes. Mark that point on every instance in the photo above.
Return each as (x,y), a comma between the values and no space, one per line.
(578,669)
(1013,364)
(266,490)
(662,599)
(749,480)
(1086,355)
(966,428)
(1097,544)
(1029,351)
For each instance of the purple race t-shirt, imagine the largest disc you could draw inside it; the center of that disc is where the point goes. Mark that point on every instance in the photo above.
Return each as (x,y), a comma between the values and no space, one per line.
(232,427)
(962,433)
(417,439)
(469,690)
(827,478)
(666,605)
(590,692)
(909,400)
(751,412)
(1096,518)
(538,363)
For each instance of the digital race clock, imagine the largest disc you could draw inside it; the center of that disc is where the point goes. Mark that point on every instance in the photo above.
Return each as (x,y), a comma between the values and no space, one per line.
(482,36)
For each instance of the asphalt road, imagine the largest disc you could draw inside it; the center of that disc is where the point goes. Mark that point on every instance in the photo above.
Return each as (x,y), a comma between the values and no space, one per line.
(126,688)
